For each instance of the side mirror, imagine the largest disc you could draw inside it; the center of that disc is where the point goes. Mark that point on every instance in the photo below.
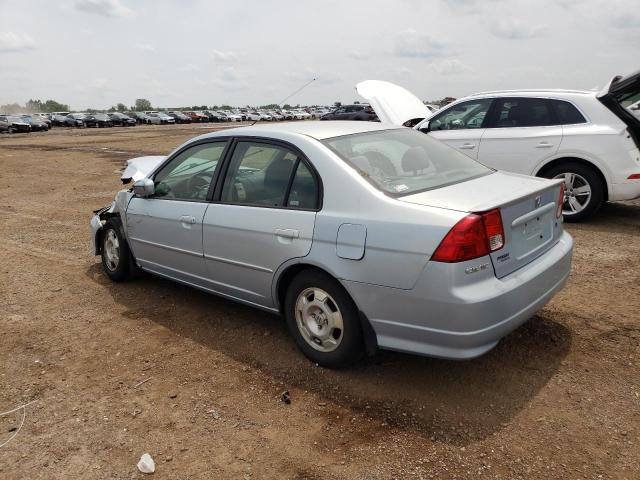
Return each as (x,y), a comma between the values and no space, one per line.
(144,188)
(424,127)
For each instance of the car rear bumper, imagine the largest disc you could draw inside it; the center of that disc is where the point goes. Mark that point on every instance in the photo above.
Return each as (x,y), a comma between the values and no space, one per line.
(444,317)
(628,190)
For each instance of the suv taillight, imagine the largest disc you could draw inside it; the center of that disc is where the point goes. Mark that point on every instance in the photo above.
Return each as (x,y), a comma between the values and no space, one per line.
(560,200)
(476,235)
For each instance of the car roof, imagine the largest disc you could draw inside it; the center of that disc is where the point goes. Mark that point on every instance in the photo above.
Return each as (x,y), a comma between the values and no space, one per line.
(534,92)
(319,130)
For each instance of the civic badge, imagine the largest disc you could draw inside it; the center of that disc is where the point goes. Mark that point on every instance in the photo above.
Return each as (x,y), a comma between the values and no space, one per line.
(538,201)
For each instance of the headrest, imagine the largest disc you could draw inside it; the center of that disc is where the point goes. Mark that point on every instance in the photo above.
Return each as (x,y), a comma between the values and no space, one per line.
(278,173)
(415,159)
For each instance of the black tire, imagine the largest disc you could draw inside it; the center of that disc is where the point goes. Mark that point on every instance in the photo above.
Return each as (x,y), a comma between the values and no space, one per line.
(591,177)
(351,345)
(122,269)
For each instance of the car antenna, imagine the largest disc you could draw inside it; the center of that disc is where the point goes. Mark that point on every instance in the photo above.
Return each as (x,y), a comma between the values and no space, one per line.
(287,98)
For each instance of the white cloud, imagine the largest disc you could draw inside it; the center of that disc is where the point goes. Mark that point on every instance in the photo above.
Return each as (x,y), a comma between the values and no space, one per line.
(413,44)
(516,29)
(358,55)
(224,57)
(145,47)
(105,8)
(190,67)
(451,67)
(16,42)
(229,78)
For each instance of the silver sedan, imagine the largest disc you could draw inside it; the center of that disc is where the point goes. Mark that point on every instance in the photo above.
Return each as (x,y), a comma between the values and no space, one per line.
(362,235)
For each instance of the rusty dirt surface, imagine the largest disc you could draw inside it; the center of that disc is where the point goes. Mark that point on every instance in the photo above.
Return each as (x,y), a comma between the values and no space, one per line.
(117,370)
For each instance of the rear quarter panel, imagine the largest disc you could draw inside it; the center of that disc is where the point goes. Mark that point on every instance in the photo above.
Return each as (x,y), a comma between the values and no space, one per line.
(400,237)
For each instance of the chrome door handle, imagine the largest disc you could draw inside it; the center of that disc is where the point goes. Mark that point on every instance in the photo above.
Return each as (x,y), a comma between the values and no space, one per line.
(286,233)
(544,145)
(188,219)
(467,146)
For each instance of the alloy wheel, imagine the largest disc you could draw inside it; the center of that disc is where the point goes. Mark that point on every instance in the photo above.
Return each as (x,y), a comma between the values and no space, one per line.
(577,193)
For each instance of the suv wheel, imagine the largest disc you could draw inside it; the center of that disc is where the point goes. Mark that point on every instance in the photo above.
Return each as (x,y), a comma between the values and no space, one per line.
(323,320)
(584,192)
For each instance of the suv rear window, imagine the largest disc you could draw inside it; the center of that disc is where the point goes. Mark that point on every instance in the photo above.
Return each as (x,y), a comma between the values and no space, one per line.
(404,161)
(566,113)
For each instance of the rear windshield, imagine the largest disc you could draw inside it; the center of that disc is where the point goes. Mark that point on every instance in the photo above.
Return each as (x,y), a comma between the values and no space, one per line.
(404,161)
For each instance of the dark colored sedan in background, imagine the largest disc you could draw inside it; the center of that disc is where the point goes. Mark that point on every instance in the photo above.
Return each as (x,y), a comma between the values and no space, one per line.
(358,111)
(67,121)
(179,117)
(37,123)
(121,120)
(139,117)
(99,120)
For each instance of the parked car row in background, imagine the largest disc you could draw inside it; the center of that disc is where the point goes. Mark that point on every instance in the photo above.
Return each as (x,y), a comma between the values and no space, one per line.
(44,121)
(23,123)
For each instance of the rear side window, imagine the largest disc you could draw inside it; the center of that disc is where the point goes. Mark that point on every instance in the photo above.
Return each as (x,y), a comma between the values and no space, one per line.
(268,175)
(567,114)
(522,112)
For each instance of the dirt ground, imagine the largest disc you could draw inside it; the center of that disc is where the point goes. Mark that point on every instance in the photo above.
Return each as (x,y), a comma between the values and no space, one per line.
(116,370)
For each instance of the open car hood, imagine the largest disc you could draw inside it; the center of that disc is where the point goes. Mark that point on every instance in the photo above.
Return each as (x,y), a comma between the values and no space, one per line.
(392,103)
(139,167)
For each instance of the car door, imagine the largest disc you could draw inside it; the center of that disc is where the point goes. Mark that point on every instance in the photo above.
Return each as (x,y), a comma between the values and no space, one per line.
(165,230)
(461,126)
(521,133)
(339,114)
(263,214)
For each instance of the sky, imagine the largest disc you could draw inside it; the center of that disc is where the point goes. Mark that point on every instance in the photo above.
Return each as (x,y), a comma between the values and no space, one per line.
(96,53)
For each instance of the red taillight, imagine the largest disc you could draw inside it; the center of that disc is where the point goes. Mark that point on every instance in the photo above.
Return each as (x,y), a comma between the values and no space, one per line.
(634,176)
(493,228)
(474,236)
(560,201)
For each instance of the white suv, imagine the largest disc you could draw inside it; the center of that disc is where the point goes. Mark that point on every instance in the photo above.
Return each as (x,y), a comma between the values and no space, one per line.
(590,139)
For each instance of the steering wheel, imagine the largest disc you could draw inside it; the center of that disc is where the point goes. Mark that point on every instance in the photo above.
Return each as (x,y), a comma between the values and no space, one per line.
(199,184)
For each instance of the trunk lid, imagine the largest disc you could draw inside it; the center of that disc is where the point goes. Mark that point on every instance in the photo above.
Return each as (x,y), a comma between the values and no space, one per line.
(527,206)
(618,95)
(392,103)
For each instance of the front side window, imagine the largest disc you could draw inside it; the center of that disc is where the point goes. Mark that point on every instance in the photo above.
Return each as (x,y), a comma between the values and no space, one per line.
(522,112)
(465,115)
(188,175)
(268,175)
(403,161)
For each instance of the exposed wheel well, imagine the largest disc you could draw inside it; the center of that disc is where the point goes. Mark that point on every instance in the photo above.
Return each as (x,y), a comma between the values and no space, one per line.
(288,275)
(586,163)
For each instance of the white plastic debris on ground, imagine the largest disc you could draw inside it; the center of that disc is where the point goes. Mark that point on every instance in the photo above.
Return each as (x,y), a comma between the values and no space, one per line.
(146,464)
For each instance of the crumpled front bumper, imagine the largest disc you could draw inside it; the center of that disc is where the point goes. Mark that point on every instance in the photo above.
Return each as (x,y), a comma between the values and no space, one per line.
(95,225)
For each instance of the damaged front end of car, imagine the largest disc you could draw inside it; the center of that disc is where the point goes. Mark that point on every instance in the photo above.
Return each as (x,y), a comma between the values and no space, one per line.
(134,170)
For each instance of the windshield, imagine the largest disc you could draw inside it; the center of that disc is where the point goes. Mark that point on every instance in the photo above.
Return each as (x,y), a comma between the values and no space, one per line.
(404,161)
